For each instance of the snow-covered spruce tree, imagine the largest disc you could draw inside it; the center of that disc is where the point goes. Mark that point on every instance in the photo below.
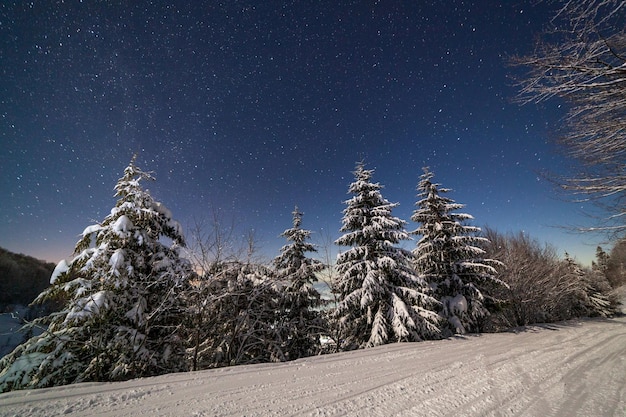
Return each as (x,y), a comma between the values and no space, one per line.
(302,322)
(598,278)
(601,263)
(382,300)
(616,264)
(599,269)
(123,312)
(586,299)
(449,256)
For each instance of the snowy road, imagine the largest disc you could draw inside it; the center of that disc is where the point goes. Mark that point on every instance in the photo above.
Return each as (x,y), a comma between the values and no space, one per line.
(572,369)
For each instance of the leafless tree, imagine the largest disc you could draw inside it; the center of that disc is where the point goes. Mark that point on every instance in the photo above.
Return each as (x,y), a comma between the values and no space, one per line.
(214,240)
(540,288)
(330,278)
(223,296)
(581,59)
(240,316)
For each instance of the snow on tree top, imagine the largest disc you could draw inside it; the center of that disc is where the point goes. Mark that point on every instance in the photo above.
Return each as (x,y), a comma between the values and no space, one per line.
(61,268)
(91,229)
(117,261)
(161,209)
(122,225)
(94,305)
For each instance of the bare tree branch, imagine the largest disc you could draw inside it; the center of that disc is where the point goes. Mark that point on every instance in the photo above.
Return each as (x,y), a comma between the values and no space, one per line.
(583,62)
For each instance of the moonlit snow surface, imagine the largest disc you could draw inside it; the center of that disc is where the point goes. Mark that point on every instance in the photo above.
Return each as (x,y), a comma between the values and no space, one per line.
(576,368)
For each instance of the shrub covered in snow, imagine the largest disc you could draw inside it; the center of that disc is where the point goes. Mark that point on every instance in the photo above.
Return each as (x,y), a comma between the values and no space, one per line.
(239,324)
(542,287)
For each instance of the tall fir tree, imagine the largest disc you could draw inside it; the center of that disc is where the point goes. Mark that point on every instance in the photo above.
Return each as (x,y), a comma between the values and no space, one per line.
(449,256)
(601,263)
(588,298)
(300,302)
(382,300)
(123,311)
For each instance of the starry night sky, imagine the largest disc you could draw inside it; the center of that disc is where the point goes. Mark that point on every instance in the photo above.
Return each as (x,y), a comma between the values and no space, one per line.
(253,107)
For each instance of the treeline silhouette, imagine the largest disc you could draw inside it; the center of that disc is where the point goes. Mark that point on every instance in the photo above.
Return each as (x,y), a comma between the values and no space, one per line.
(22,278)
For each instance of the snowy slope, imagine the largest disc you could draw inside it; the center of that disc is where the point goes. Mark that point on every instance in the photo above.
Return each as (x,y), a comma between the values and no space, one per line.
(11,332)
(571,369)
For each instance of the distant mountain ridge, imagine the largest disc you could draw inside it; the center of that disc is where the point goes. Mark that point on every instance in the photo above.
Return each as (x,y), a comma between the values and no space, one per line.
(22,278)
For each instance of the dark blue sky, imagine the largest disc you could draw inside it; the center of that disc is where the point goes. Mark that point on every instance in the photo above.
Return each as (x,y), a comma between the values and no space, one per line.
(254,107)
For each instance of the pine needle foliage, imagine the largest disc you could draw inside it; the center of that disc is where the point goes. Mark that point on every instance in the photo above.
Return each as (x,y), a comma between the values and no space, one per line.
(382,300)
(300,302)
(449,256)
(123,312)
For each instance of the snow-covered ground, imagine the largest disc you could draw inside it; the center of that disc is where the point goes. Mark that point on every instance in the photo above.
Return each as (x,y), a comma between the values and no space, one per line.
(576,368)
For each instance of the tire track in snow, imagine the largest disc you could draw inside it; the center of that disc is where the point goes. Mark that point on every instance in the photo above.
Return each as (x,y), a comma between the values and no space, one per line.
(552,382)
